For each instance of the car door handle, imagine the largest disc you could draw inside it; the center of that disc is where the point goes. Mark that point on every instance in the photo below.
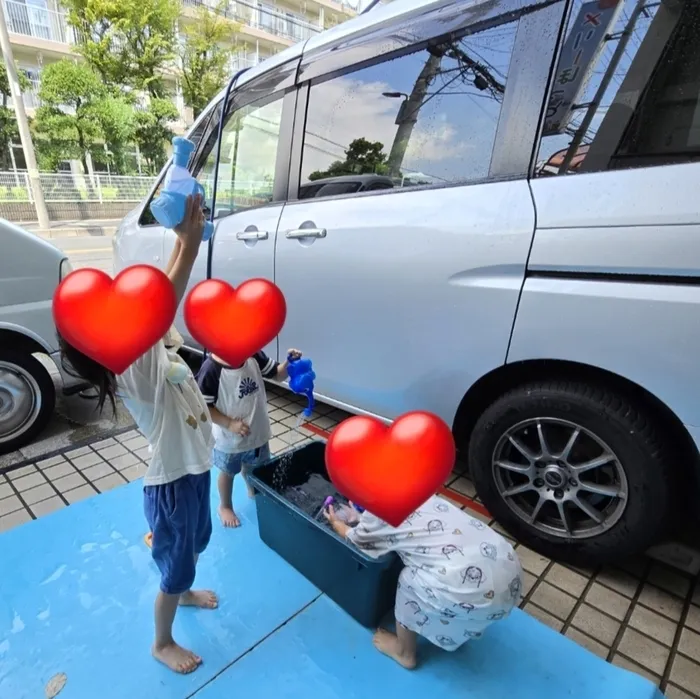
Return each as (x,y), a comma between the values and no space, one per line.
(306,233)
(252,235)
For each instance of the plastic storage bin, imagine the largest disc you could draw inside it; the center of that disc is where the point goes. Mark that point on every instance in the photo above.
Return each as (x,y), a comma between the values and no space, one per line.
(364,587)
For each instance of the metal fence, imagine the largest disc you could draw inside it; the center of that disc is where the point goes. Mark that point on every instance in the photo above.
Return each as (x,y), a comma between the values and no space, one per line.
(69,187)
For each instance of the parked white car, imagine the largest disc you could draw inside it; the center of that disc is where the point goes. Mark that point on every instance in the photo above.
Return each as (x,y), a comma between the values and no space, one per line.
(30,271)
(487,209)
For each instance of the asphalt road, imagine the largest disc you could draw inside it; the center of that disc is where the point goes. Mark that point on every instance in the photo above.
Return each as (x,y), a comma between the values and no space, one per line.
(87,251)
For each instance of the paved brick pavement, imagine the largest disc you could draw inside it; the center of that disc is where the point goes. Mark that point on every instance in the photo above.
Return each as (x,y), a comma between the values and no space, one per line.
(643,616)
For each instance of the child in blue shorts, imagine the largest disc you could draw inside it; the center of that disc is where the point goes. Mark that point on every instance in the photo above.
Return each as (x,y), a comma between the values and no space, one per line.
(238,407)
(162,396)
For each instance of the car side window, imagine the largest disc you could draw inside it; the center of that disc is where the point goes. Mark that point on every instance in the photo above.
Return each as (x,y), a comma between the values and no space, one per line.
(246,170)
(426,118)
(626,91)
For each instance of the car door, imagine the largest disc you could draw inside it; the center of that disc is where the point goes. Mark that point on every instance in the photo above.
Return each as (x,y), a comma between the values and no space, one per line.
(252,175)
(403,297)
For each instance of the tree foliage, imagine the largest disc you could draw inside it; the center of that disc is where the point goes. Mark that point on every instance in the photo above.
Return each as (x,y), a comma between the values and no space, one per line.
(205,57)
(362,157)
(77,113)
(152,130)
(8,122)
(130,44)
(127,42)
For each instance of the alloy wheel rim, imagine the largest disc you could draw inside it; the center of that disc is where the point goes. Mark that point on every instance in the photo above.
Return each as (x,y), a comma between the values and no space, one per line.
(560,478)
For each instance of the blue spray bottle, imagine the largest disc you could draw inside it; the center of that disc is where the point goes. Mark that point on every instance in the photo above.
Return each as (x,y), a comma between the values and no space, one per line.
(168,208)
(301,380)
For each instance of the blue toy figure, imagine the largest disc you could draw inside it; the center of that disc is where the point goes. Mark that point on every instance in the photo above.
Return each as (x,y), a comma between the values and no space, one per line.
(301,380)
(169,207)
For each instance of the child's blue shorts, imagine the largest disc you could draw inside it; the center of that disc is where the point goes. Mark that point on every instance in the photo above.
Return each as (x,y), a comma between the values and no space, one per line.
(179,515)
(232,463)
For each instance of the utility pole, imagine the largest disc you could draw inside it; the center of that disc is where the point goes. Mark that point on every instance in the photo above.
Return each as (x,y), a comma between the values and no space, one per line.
(22,124)
(408,112)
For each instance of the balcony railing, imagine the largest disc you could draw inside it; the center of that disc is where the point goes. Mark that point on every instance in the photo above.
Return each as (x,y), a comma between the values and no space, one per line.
(38,22)
(284,24)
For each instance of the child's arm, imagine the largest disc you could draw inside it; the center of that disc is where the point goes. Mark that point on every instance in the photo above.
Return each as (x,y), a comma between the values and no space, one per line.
(173,256)
(189,232)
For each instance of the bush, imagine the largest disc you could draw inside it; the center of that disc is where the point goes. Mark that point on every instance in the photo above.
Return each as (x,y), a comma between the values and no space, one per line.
(110,193)
(20,193)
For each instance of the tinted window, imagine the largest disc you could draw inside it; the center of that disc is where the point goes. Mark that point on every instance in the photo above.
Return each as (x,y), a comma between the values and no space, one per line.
(246,169)
(429,117)
(626,89)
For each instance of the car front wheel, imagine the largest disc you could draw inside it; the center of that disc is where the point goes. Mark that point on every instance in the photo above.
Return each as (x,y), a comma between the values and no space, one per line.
(573,470)
(27,399)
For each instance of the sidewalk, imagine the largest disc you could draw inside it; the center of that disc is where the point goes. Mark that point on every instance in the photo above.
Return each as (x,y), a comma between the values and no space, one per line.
(68,229)
(640,615)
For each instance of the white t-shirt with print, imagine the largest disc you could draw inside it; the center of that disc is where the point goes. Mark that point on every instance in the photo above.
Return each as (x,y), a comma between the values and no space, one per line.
(239,394)
(173,416)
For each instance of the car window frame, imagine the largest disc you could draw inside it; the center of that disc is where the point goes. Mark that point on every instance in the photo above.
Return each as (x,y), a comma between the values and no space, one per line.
(538,28)
(288,97)
(280,79)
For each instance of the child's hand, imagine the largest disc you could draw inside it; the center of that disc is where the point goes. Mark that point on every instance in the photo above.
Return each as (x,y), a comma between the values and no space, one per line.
(352,516)
(293,353)
(237,426)
(330,514)
(191,228)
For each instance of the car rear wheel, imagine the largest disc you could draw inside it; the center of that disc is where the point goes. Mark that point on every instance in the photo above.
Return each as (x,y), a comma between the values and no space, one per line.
(27,399)
(574,471)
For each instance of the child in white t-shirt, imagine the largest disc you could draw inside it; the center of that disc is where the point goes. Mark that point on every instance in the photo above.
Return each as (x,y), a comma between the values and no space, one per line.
(162,396)
(238,406)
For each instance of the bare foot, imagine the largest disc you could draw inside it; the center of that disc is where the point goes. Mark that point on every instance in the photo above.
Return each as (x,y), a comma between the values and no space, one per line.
(228,517)
(204,599)
(177,658)
(388,644)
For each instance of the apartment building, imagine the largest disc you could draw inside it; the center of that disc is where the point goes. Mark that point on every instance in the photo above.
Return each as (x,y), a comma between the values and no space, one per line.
(40,34)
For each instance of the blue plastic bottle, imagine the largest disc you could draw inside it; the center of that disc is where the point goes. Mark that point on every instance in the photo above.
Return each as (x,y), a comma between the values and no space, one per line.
(169,207)
(301,380)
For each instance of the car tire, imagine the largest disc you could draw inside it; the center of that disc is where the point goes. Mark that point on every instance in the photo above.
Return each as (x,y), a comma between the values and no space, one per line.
(640,472)
(27,399)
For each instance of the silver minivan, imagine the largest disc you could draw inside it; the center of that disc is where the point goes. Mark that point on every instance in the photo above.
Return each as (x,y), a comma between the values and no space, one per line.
(530,268)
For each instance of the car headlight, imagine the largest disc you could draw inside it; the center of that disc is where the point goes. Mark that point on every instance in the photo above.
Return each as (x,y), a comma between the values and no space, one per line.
(64,270)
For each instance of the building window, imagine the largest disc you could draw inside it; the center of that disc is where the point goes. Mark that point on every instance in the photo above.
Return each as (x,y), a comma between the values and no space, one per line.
(426,118)
(622,105)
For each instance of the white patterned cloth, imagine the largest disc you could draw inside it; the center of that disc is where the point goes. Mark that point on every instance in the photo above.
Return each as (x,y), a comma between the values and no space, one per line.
(460,574)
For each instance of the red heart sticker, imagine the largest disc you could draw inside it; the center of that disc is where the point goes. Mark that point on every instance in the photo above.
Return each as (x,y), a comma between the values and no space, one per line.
(390,471)
(235,323)
(114,321)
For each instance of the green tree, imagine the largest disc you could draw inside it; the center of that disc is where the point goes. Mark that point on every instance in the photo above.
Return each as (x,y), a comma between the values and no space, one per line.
(118,122)
(152,130)
(127,42)
(361,157)
(8,122)
(77,113)
(204,56)
(130,44)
